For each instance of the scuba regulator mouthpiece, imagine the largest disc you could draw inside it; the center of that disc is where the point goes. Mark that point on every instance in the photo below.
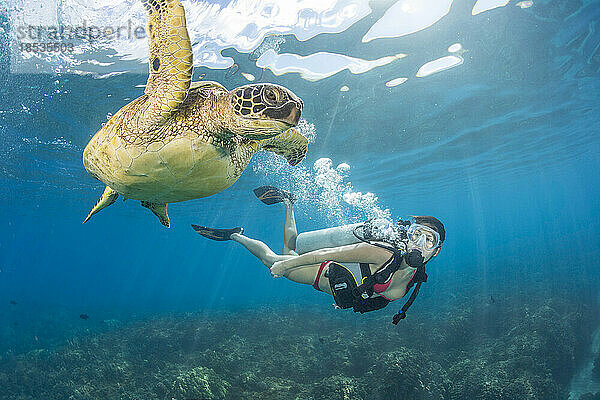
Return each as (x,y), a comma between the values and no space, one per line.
(414,258)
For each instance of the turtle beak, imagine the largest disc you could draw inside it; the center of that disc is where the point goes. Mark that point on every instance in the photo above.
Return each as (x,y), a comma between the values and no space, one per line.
(294,116)
(291,112)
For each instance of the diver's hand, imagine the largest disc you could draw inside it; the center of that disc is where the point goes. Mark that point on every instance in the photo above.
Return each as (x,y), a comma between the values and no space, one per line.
(278,269)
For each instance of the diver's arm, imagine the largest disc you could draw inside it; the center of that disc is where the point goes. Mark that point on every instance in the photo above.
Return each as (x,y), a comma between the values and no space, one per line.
(360,253)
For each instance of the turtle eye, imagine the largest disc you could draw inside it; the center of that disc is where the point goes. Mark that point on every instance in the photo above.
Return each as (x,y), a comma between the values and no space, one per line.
(272,96)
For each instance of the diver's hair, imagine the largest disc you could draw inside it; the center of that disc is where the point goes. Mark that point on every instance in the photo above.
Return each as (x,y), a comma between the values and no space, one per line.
(433,223)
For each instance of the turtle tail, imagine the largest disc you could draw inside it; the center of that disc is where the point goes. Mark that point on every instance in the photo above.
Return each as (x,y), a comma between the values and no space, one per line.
(108,197)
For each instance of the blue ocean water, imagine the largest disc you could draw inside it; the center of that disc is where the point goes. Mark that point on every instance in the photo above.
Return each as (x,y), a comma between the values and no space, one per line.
(504,149)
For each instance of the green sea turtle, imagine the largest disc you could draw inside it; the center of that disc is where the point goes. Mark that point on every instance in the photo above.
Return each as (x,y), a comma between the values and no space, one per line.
(184,140)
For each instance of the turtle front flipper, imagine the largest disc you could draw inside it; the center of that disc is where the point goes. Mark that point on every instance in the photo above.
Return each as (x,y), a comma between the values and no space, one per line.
(291,144)
(108,197)
(160,210)
(170,59)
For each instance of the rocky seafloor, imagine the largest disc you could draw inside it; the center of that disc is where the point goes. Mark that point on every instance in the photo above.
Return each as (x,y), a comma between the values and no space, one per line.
(514,347)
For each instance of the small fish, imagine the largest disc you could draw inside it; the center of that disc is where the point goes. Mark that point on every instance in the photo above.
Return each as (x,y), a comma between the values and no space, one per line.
(492,300)
(35,338)
(14,303)
(84,316)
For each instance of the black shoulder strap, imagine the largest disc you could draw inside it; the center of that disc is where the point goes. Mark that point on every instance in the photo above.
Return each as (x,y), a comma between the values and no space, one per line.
(365,288)
(419,277)
(365,270)
(380,276)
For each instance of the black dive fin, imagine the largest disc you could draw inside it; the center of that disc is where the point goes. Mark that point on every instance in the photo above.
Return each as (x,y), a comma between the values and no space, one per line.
(216,234)
(272,195)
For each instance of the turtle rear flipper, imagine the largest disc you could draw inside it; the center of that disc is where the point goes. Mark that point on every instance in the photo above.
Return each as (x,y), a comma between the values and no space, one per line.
(108,197)
(160,210)
(272,195)
(216,234)
(291,144)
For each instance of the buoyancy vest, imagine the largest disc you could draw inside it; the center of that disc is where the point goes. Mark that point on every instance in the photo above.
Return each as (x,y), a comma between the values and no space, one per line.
(353,285)
(344,281)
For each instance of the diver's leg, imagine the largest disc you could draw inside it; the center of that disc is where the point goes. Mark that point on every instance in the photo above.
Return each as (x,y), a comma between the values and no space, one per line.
(305,274)
(308,274)
(289,229)
(258,249)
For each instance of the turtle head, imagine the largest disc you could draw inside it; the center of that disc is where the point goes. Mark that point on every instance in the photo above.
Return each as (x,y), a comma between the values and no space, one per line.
(263,110)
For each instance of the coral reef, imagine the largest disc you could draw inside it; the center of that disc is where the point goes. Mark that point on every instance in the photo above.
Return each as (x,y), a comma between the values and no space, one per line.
(199,382)
(339,387)
(590,396)
(407,374)
(532,357)
(522,347)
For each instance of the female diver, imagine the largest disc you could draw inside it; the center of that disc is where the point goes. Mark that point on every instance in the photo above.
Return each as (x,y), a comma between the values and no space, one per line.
(368,267)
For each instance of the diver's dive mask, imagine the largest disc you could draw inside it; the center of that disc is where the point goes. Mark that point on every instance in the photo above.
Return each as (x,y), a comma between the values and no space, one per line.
(423,237)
